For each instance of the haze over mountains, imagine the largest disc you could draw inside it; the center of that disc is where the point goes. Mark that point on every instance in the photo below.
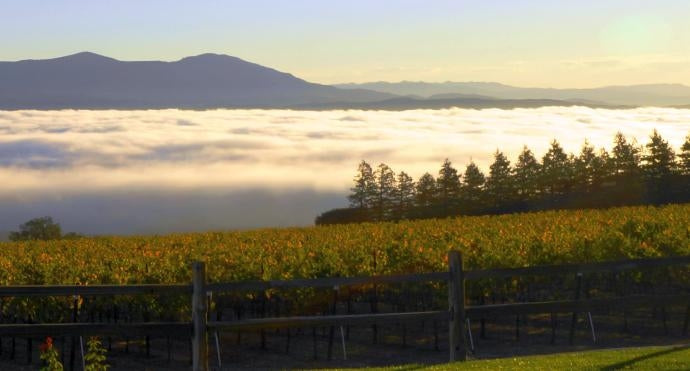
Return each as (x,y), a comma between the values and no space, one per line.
(91,81)
(634,95)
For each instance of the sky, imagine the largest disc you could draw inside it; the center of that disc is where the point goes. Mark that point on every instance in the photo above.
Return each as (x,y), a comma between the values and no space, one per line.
(540,43)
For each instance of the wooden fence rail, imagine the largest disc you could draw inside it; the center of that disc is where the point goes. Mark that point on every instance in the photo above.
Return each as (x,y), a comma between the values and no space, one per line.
(456,315)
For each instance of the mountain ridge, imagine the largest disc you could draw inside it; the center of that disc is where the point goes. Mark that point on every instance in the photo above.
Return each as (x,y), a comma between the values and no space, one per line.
(88,80)
(628,95)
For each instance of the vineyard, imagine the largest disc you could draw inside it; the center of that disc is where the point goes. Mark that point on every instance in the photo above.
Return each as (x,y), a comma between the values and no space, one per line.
(518,240)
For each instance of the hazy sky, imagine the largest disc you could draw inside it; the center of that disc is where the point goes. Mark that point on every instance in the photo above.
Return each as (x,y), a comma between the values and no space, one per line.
(582,43)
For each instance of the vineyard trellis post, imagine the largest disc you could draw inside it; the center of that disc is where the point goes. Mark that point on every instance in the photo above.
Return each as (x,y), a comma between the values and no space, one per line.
(456,302)
(199,318)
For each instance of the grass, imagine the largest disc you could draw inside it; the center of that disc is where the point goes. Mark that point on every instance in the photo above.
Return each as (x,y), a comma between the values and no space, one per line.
(643,358)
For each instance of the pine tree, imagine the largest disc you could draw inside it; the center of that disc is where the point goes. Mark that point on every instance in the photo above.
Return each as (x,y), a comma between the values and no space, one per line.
(426,191)
(500,187)
(404,196)
(364,191)
(625,157)
(448,188)
(584,168)
(556,170)
(527,171)
(385,192)
(659,159)
(684,157)
(601,169)
(473,188)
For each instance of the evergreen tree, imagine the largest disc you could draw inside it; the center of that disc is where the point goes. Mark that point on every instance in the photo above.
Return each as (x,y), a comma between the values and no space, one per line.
(363,193)
(556,171)
(527,172)
(659,159)
(473,188)
(625,157)
(404,196)
(659,165)
(448,188)
(601,169)
(499,185)
(684,157)
(584,168)
(385,192)
(426,191)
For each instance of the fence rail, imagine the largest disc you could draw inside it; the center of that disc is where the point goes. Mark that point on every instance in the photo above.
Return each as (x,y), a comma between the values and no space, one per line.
(198,328)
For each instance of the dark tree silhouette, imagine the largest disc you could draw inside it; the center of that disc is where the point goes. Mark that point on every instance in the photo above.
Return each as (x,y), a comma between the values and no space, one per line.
(404,196)
(472,194)
(556,171)
(584,168)
(500,187)
(527,172)
(448,188)
(659,159)
(384,199)
(364,191)
(629,176)
(659,165)
(38,229)
(684,157)
(625,157)
(426,191)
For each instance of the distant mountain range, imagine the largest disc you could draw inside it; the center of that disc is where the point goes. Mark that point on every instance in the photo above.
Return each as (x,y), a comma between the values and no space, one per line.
(88,80)
(91,81)
(635,95)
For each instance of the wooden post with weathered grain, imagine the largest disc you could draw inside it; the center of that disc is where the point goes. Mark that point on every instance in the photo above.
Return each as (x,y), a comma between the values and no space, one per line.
(200,334)
(456,312)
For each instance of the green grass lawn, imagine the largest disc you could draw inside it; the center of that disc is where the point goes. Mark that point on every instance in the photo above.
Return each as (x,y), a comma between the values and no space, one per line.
(645,358)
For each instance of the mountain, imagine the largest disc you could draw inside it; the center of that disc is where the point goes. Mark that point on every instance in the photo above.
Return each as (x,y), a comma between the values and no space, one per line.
(91,81)
(635,95)
(88,80)
(412,102)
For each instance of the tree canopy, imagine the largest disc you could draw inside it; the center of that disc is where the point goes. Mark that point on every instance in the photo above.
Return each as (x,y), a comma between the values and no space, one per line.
(630,175)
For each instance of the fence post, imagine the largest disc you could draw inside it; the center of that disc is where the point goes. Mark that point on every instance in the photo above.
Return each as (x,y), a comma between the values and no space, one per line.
(456,303)
(200,335)
(573,322)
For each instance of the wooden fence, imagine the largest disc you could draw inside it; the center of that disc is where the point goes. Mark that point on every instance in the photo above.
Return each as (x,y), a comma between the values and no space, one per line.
(456,316)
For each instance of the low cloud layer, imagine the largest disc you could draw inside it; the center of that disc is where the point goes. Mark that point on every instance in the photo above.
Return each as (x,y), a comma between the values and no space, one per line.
(49,155)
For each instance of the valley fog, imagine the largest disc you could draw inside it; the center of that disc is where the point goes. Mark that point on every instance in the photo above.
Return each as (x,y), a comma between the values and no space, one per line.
(159,171)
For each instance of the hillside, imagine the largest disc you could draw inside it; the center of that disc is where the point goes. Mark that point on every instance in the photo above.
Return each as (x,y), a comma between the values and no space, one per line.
(88,80)
(91,81)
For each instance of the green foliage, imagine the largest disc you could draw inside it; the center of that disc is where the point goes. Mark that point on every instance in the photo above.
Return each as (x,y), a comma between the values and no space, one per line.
(363,192)
(684,157)
(426,191)
(556,170)
(404,196)
(472,188)
(49,356)
(500,187)
(644,358)
(37,229)
(95,358)
(625,156)
(447,188)
(526,175)
(659,161)
(384,198)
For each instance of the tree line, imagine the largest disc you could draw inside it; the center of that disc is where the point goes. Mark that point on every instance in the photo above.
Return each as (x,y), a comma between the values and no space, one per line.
(630,174)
